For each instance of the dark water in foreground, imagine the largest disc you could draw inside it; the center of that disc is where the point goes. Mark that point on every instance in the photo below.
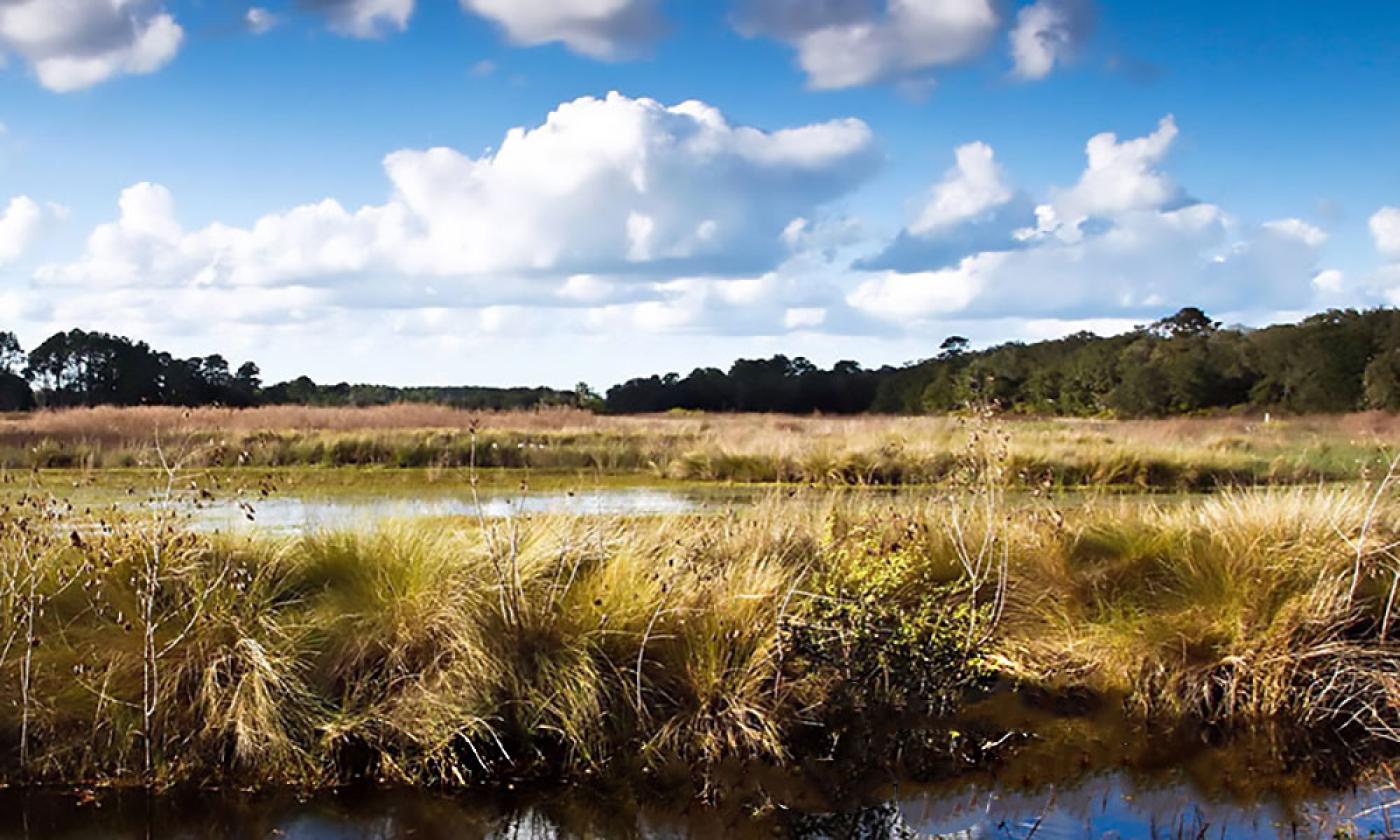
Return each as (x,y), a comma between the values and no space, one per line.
(1107,806)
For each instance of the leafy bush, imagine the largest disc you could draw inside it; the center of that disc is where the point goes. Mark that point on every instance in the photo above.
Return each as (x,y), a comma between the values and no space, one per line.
(891,626)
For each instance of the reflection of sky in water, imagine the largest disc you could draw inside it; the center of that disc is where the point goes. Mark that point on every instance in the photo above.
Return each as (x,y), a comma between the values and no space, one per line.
(314,511)
(1108,808)
(1102,808)
(292,513)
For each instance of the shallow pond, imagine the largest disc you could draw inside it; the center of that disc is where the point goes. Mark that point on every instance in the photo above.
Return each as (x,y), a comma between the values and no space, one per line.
(301,512)
(292,500)
(284,513)
(1108,806)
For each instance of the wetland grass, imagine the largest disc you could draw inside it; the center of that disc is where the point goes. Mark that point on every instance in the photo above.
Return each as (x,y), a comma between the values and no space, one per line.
(448,654)
(1176,454)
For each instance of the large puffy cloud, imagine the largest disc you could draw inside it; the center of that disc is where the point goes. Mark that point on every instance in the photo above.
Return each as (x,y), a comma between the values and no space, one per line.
(844,43)
(1147,263)
(364,18)
(19,222)
(615,182)
(74,44)
(1120,242)
(1385,230)
(1121,176)
(968,190)
(147,247)
(623,216)
(1047,33)
(598,28)
(614,186)
(973,208)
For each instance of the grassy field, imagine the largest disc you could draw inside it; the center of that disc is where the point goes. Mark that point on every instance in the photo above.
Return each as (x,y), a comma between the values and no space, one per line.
(1177,454)
(136,651)
(970,625)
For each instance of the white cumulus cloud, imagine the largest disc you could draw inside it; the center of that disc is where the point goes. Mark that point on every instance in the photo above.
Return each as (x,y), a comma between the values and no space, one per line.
(1385,230)
(75,44)
(614,216)
(845,43)
(1047,33)
(1330,281)
(19,223)
(1121,176)
(1306,233)
(364,18)
(598,28)
(973,208)
(1120,242)
(259,20)
(1149,262)
(616,187)
(968,190)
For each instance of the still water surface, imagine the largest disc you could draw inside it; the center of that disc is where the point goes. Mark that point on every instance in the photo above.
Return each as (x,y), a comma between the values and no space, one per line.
(292,512)
(287,513)
(1107,806)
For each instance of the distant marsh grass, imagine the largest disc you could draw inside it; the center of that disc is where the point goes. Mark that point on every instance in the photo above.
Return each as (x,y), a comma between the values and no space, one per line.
(1174,454)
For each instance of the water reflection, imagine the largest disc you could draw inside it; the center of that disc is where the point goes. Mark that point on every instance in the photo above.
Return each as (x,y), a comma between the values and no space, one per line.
(308,513)
(1111,807)
(1102,807)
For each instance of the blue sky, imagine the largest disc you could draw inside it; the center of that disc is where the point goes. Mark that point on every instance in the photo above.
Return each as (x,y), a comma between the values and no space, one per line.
(862,178)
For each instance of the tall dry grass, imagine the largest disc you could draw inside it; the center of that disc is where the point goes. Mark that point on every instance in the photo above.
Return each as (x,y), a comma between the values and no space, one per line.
(1233,610)
(391,655)
(447,654)
(141,423)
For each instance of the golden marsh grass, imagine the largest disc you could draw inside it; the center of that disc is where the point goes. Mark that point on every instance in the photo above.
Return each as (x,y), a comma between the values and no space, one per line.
(1180,454)
(450,654)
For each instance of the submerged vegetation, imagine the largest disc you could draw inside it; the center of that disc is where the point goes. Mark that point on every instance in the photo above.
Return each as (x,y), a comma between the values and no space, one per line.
(137,651)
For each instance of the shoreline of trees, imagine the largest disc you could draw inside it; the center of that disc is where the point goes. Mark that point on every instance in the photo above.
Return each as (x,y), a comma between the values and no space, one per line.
(1332,362)
(78,368)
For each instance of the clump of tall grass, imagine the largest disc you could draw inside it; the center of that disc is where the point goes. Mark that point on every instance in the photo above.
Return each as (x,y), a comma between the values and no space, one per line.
(1245,607)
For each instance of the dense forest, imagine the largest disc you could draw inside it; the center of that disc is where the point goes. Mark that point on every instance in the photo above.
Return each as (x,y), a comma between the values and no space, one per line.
(78,368)
(1340,360)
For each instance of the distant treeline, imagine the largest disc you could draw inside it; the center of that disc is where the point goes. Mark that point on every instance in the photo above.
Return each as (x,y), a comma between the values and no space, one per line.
(78,368)
(1336,361)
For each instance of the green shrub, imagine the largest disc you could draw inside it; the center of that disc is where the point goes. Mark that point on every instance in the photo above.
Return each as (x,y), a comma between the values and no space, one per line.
(891,626)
